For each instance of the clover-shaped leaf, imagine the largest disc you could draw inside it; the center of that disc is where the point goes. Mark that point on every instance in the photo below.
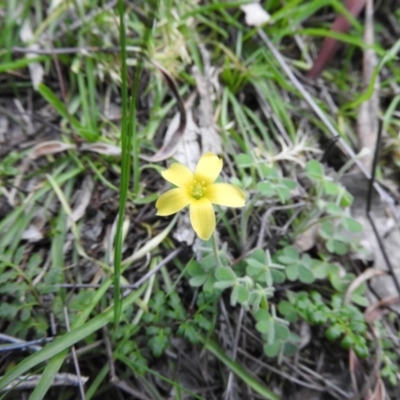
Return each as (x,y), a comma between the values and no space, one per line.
(244,160)
(225,278)
(314,170)
(266,188)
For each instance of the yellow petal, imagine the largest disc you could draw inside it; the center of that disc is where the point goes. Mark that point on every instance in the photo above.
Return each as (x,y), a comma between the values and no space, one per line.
(208,168)
(179,175)
(202,218)
(172,201)
(225,194)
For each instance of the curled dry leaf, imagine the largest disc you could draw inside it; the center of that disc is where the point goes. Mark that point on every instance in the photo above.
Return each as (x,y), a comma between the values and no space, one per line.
(307,239)
(367,274)
(102,148)
(48,148)
(85,195)
(255,15)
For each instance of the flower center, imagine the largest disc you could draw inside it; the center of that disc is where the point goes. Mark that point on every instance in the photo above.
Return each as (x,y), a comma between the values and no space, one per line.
(197,189)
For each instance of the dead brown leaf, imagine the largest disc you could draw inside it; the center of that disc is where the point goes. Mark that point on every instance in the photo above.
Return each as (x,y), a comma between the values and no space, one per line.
(307,239)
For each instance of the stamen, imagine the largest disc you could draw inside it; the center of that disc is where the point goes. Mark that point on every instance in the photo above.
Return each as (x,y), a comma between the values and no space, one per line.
(197,189)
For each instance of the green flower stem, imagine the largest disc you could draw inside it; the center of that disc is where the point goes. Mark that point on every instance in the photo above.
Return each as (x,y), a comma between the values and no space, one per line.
(245,218)
(215,249)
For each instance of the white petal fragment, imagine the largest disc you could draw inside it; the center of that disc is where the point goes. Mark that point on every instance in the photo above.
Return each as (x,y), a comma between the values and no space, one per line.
(255,14)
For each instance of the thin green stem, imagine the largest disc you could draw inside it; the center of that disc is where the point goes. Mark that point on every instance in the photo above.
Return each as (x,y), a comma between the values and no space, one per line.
(126,144)
(215,249)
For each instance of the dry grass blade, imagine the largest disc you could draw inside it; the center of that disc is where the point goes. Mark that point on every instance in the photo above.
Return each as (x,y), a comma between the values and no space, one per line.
(367,121)
(30,382)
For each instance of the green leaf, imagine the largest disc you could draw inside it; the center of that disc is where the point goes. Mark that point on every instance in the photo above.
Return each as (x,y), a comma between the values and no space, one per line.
(331,188)
(326,230)
(283,193)
(8,311)
(352,225)
(244,160)
(266,188)
(334,332)
(314,170)
(346,199)
(318,316)
(337,247)
(292,272)
(347,342)
(272,350)
(277,276)
(263,326)
(320,269)
(282,332)
(225,274)
(334,209)
(288,183)
(305,275)
(361,350)
(222,285)
(289,255)
(208,263)
(243,294)
(159,343)
(258,255)
(288,311)
(194,268)
(359,299)
(197,281)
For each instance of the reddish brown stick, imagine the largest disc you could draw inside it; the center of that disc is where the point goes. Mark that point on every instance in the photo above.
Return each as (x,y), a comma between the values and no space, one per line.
(330,46)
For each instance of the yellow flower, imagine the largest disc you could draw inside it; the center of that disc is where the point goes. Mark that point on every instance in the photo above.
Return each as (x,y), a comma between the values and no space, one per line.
(198,191)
